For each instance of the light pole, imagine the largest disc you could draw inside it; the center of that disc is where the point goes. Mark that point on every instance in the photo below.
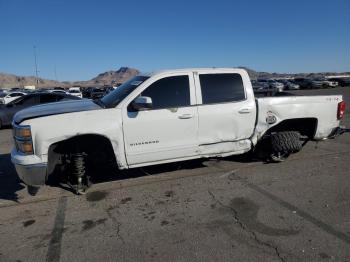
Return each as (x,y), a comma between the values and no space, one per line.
(36,67)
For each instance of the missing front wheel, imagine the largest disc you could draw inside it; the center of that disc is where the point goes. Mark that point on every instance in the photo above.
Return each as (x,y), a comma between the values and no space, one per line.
(78,179)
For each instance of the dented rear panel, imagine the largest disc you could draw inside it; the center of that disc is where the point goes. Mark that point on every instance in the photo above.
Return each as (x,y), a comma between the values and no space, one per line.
(274,110)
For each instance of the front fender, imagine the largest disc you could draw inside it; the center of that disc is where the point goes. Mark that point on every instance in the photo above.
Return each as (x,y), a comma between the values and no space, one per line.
(52,129)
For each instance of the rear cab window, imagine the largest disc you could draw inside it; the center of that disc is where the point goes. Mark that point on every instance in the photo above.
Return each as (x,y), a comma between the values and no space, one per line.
(221,88)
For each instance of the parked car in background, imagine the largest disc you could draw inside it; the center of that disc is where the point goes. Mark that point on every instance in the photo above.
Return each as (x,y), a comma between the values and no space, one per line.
(7,98)
(15,89)
(57,91)
(110,89)
(303,83)
(322,83)
(259,86)
(331,83)
(289,85)
(86,92)
(343,81)
(75,91)
(93,92)
(277,85)
(2,94)
(96,93)
(9,110)
(273,84)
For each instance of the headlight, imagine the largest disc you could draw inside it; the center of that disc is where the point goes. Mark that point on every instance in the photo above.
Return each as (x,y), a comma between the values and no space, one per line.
(22,132)
(23,139)
(25,147)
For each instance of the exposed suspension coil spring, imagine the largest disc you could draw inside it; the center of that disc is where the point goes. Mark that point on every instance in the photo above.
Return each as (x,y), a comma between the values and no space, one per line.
(78,165)
(78,179)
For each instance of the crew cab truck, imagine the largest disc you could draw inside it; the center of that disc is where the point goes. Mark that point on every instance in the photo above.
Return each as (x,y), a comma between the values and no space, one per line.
(163,117)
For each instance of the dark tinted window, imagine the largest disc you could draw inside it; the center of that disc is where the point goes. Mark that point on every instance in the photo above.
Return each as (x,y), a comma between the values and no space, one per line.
(218,88)
(62,97)
(169,92)
(27,101)
(15,94)
(48,98)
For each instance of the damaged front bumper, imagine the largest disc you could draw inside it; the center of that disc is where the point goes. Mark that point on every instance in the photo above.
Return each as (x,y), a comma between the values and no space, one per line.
(29,168)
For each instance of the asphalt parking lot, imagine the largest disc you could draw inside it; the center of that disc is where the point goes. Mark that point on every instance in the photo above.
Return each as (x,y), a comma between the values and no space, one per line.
(227,209)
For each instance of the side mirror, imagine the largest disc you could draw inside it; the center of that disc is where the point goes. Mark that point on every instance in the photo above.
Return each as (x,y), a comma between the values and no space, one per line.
(142,103)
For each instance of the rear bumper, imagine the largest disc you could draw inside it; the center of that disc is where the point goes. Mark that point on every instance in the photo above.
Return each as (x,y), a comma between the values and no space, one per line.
(338,131)
(29,168)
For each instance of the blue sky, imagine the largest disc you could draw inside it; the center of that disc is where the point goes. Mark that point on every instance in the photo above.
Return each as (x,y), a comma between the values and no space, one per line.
(84,38)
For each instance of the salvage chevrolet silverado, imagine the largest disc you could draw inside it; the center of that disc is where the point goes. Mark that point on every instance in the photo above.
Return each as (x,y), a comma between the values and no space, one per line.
(164,117)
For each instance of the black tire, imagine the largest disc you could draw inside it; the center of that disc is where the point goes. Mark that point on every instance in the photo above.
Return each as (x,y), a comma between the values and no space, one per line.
(286,141)
(0,125)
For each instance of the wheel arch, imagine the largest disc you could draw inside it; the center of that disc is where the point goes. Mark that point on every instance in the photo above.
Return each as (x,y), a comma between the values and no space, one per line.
(305,126)
(82,142)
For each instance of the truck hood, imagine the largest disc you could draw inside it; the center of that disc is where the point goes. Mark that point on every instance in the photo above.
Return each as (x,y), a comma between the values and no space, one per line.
(55,109)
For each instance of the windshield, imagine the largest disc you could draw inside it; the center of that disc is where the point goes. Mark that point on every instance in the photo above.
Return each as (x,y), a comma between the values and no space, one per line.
(74,91)
(116,96)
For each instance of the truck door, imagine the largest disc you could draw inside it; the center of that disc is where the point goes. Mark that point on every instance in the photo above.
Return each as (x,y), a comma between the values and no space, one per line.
(168,130)
(227,112)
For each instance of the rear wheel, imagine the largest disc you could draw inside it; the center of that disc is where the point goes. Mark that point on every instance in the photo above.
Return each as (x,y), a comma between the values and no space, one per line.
(283,144)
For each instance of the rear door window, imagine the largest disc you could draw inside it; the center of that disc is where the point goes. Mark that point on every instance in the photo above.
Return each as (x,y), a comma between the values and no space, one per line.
(221,88)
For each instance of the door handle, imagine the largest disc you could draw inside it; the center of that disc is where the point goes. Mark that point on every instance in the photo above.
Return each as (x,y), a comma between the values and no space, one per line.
(245,110)
(186,116)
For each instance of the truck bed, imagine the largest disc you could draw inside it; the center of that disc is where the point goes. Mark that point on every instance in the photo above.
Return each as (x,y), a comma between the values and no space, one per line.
(322,108)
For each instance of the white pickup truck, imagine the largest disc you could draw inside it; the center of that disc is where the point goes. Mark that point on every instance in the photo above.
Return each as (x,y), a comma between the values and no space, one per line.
(163,117)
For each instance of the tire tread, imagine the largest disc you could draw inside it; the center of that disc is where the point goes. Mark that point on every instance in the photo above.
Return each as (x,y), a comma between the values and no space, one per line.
(286,141)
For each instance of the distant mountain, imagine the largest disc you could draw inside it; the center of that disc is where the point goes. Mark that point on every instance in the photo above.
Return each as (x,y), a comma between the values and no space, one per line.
(108,78)
(121,75)
(9,80)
